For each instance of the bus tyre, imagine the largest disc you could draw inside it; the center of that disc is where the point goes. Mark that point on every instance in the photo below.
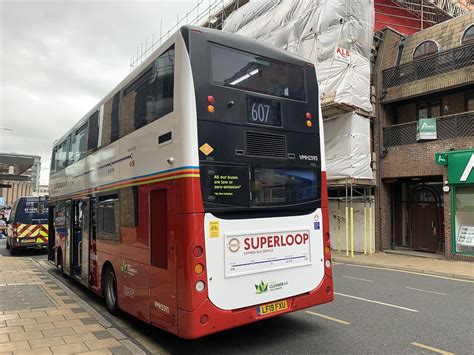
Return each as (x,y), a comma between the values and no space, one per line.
(109,285)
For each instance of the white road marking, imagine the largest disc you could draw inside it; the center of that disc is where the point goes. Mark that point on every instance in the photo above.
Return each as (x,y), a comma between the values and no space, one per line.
(435,350)
(356,278)
(328,317)
(419,289)
(377,302)
(408,272)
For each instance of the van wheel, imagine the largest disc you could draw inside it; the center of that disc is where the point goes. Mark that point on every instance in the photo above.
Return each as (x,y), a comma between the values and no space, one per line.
(109,286)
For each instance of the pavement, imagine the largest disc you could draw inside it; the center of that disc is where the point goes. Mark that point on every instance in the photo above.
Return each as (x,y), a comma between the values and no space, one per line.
(40,315)
(410,263)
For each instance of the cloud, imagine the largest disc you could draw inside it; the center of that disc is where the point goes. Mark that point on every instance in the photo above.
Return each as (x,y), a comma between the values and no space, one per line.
(59,58)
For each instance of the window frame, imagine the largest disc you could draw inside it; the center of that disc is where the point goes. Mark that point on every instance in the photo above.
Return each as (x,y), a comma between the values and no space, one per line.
(438,49)
(471,41)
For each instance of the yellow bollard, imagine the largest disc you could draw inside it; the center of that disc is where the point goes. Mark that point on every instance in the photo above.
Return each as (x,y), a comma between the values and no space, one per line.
(365,230)
(338,230)
(370,231)
(352,232)
(347,231)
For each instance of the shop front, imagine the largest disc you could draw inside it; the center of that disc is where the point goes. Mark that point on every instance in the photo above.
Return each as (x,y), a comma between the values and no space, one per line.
(460,184)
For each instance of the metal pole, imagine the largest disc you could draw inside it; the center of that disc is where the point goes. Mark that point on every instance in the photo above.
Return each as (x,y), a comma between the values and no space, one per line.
(365,222)
(347,225)
(338,226)
(352,226)
(370,226)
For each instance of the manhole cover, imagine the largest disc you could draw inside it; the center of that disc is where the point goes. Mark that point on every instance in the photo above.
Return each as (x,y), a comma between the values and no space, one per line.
(22,297)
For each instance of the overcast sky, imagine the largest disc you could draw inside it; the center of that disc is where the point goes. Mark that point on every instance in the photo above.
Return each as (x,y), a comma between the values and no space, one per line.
(60,57)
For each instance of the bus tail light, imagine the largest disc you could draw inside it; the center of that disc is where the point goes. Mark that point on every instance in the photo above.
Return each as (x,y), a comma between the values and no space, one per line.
(200,285)
(210,99)
(197,251)
(199,269)
(327,249)
(308,115)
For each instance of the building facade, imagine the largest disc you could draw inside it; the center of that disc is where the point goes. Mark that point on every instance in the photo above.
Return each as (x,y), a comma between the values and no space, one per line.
(19,176)
(425,109)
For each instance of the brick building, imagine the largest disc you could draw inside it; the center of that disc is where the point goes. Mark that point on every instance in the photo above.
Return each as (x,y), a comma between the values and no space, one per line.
(424,85)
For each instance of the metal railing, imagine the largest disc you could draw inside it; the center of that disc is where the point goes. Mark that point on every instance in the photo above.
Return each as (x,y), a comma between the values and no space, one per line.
(452,126)
(435,64)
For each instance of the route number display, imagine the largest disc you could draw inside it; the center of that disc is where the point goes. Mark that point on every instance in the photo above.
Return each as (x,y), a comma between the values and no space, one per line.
(263,111)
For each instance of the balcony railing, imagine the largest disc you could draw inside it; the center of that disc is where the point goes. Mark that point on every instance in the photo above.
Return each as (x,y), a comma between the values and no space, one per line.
(452,126)
(429,66)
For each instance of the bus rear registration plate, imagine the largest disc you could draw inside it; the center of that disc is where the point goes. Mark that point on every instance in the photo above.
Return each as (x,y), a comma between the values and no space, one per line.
(272,307)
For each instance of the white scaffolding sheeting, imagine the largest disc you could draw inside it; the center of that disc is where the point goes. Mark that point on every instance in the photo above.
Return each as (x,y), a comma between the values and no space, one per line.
(336,35)
(347,142)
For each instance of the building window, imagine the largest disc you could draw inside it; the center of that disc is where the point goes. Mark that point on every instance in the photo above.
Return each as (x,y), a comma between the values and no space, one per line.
(470,101)
(429,109)
(464,217)
(425,48)
(468,36)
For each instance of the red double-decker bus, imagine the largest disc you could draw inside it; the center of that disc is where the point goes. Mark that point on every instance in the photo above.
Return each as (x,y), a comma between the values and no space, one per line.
(193,196)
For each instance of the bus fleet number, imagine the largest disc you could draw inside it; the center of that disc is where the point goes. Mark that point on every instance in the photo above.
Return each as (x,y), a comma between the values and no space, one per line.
(260,112)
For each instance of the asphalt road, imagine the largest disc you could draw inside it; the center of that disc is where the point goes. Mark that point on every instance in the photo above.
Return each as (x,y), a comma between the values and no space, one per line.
(375,311)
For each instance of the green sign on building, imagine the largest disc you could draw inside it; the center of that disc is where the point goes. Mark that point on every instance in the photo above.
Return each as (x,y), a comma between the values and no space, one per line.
(461,167)
(426,129)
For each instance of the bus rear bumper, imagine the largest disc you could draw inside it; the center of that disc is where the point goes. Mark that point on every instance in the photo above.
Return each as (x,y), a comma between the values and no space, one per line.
(207,318)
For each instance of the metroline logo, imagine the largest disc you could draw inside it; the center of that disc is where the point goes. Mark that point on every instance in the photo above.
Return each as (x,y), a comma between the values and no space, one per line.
(272,241)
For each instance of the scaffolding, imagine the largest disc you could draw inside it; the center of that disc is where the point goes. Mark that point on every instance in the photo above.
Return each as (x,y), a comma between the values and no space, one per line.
(212,16)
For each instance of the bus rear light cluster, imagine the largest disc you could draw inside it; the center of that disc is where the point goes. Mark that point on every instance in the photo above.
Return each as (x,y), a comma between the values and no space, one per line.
(200,286)
(210,107)
(308,117)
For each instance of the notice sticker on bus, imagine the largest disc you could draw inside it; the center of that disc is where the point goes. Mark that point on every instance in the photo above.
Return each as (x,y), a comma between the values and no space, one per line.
(214,229)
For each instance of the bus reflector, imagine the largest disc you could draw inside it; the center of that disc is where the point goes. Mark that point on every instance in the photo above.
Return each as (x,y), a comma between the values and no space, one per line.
(210,108)
(197,251)
(309,123)
(210,99)
(204,318)
(200,286)
(198,268)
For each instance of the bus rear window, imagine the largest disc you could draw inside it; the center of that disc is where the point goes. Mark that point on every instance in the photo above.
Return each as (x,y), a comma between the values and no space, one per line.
(233,68)
(32,212)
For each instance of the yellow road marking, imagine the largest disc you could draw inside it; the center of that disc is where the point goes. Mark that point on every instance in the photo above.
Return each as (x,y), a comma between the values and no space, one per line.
(419,289)
(356,278)
(328,317)
(439,351)
(377,302)
(408,272)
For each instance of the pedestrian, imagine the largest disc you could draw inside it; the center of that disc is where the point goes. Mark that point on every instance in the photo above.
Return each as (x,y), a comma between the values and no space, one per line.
(3,226)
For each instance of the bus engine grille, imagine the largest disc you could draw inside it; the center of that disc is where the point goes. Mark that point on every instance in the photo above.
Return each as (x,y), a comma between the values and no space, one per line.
(265,145)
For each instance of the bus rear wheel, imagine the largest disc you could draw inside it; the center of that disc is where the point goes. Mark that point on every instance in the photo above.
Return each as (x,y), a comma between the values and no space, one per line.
(109,285)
